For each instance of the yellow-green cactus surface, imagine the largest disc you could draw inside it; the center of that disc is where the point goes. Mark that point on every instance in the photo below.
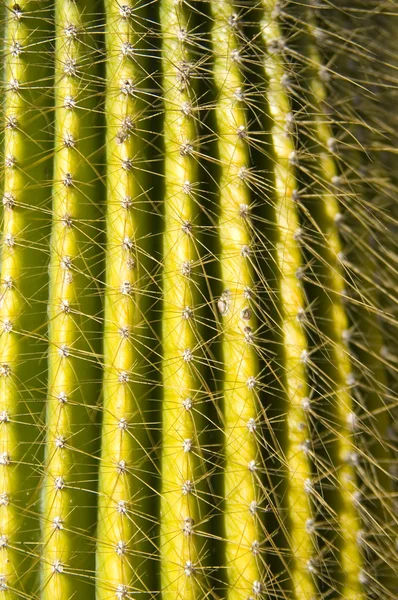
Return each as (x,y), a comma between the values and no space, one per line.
(198,300)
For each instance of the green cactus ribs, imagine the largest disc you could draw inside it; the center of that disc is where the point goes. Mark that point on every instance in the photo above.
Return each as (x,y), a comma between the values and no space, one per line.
(198,300)
(73,306)
(25,183)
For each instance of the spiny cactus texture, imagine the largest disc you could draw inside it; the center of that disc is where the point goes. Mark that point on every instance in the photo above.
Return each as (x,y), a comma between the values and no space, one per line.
(198,306)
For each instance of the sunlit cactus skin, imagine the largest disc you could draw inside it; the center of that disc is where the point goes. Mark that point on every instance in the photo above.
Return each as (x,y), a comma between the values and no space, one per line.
(198,315)
(181,571)
(293,307)
(67,503)
(238,321)
(123,564)
(26,176)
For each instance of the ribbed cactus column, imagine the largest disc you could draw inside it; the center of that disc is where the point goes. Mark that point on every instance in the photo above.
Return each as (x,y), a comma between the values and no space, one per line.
(365,476)
(240,365)
(23,288)
(289,265)
(333,324)
(361,417)
(123,570)
(198,315)
(181,568)
(67,555)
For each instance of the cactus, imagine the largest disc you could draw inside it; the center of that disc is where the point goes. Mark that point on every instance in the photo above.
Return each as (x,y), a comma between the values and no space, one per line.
(121,524)
(240,364)
(26,169)
(72,348)
(181,506)
(198,357)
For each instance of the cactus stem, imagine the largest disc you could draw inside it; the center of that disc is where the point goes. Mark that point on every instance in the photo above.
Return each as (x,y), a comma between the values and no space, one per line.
(21,314)
(67,446)
(241,369)
(122,531)
(181,569)
(296,356)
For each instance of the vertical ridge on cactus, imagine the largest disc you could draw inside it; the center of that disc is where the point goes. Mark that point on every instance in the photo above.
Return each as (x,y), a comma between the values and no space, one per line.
(25,163)
(328,255)
(293,309)
(240,364)
(181,507)
(66,498)
(122,546)
(331,270)
(198,300)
